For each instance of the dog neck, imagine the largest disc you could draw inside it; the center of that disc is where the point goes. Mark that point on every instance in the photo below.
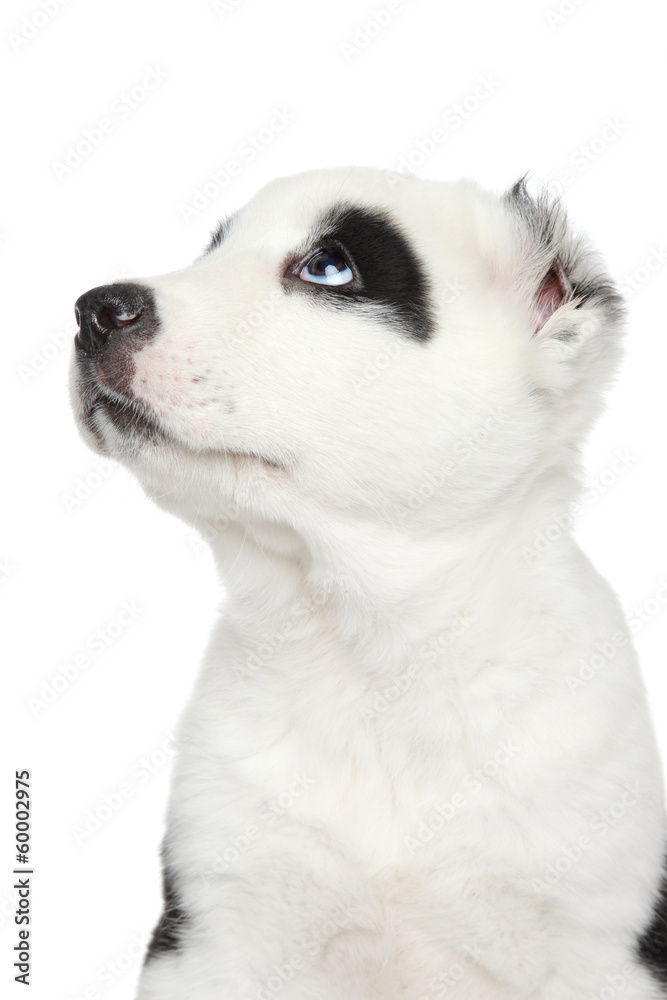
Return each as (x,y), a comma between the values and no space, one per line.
(355,581)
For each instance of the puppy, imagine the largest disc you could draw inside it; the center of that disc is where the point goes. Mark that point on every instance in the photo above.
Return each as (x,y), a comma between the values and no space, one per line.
(418,760)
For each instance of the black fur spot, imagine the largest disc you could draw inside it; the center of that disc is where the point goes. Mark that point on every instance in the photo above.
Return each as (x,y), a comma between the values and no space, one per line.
(167,935)
(218,234)
(652,946)
(389,274)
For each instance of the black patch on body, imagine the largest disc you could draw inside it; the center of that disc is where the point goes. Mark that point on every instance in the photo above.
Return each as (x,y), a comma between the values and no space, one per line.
(167,936)
(388,272)
(652,945)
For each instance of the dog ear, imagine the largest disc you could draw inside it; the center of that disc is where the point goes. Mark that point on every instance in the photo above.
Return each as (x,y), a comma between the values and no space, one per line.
(554,290)
(560,280)
(571,308)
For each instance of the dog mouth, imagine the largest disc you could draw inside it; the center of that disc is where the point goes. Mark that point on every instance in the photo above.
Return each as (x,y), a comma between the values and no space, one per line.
(135,424)
(129,418)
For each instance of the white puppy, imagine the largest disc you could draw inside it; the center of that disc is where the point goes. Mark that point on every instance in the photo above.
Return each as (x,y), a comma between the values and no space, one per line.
(418,761)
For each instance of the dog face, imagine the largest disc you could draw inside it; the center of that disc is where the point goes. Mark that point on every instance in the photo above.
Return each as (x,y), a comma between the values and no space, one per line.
(353,347)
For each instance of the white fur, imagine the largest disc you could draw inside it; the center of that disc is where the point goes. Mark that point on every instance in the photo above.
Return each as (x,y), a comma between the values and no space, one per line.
(392,643)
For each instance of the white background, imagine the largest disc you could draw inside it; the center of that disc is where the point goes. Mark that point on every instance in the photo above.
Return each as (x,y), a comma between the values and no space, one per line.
(553,82)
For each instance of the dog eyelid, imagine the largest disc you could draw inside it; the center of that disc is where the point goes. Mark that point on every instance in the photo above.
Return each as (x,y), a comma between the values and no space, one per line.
(296,267)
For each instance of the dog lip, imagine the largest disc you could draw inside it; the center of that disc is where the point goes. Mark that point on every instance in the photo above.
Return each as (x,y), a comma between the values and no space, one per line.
(88,410)
(125,413)
(128,414)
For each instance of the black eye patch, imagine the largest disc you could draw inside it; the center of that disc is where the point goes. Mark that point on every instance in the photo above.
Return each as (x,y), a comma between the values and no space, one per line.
(388,270)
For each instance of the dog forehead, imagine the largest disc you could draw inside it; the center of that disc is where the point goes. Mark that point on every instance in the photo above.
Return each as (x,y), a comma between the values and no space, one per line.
(288,214)
(304,197)
(289,211)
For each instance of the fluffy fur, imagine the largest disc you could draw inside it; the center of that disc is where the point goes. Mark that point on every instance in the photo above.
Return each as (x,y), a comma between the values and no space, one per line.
(418,760)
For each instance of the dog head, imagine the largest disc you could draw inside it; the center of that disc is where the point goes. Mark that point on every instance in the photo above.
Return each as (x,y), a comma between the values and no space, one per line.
(354,347)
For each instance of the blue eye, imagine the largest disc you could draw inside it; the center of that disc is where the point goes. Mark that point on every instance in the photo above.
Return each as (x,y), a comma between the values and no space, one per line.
(327,268)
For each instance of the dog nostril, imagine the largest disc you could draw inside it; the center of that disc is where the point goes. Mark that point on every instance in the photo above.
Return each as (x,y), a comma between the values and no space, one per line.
(103,312)
(109,319)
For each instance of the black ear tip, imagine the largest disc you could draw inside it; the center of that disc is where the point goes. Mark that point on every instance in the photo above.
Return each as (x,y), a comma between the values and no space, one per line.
(520,188)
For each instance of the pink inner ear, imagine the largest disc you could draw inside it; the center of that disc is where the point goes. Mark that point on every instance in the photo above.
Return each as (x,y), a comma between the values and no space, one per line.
(554,289)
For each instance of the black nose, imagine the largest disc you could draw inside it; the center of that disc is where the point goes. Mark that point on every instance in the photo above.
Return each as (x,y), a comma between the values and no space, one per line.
(109,308)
